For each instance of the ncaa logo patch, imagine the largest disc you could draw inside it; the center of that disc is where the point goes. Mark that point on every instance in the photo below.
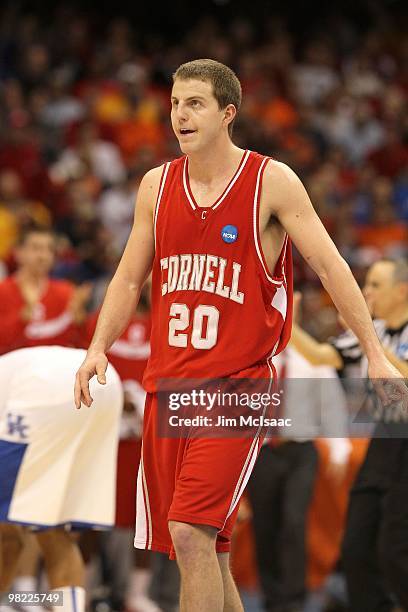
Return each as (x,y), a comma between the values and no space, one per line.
(229,233)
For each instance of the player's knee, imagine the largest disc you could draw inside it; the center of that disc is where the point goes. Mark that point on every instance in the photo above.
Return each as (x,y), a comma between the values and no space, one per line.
(190,540)
(183,536)
(53,540)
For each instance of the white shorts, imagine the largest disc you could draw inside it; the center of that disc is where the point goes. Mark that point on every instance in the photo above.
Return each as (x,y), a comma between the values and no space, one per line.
(58,464)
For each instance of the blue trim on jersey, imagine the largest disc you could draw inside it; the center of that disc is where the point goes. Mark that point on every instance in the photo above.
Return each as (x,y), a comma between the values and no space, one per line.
(11,457)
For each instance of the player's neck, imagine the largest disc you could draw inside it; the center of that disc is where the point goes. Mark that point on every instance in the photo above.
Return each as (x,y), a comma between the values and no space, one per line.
(398,317)
(30,278)
(208,165)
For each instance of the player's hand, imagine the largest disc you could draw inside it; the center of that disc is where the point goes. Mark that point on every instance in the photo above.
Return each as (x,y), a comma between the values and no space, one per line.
(95,364)
(388,383)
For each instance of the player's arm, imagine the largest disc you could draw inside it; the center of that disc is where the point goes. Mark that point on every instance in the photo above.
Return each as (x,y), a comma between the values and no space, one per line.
(124,289)
(133,269)
(317,353)
(286,198)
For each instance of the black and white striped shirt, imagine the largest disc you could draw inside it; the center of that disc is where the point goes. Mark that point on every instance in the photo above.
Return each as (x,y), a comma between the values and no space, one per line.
(355,364)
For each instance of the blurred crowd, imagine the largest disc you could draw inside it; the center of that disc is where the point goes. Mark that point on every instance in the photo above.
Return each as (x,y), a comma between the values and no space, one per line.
(84,113)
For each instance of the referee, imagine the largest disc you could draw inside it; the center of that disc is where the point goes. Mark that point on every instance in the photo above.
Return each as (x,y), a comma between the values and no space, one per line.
(375,545)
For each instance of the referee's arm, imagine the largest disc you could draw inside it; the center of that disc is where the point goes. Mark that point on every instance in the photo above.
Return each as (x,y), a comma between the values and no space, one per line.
(323,353)
(400,364)
(317,353)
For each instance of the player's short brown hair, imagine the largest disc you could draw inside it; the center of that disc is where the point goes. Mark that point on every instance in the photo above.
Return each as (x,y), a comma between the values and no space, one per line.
(224,81)
(34,228)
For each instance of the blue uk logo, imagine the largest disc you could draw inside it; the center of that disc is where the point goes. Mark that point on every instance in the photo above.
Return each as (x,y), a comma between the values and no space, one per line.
(16,425)
(229,233)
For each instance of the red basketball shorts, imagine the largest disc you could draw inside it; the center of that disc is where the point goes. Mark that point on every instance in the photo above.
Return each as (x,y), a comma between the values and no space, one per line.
(129,450)
(192,480)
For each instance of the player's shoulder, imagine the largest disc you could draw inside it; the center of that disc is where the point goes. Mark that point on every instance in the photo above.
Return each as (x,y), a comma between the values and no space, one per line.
(153,175)
(150,185)
(279,180)
(277,172)
(281,187)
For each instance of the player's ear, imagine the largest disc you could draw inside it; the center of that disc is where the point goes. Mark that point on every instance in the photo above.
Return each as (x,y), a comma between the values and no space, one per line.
(230,113)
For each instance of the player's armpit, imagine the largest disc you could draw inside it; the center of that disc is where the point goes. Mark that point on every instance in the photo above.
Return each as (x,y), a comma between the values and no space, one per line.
(286,198)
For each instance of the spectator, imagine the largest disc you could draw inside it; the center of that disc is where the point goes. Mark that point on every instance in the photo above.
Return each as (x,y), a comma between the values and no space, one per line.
(90,154)
(34,309)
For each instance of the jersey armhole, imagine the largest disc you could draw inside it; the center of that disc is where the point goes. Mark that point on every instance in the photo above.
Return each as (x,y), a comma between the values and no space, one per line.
(278,275)
(159,197)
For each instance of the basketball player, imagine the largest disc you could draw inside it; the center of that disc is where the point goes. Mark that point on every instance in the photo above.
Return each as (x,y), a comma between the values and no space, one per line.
(214,227)
(35,309)
(375,547)
(58,467)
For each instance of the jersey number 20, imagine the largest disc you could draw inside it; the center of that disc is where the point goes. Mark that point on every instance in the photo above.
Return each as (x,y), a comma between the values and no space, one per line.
(201,337)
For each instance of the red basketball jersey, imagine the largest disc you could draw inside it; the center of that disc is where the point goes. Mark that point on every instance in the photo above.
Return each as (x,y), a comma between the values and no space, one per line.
(216,308)
(51,323)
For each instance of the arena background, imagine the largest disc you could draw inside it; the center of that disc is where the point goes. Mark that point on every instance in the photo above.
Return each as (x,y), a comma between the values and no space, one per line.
(325,91)
(84,108)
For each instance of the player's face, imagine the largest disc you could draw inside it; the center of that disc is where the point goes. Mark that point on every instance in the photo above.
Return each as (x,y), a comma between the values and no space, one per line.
(196,117)
(37,253)
(381,292)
